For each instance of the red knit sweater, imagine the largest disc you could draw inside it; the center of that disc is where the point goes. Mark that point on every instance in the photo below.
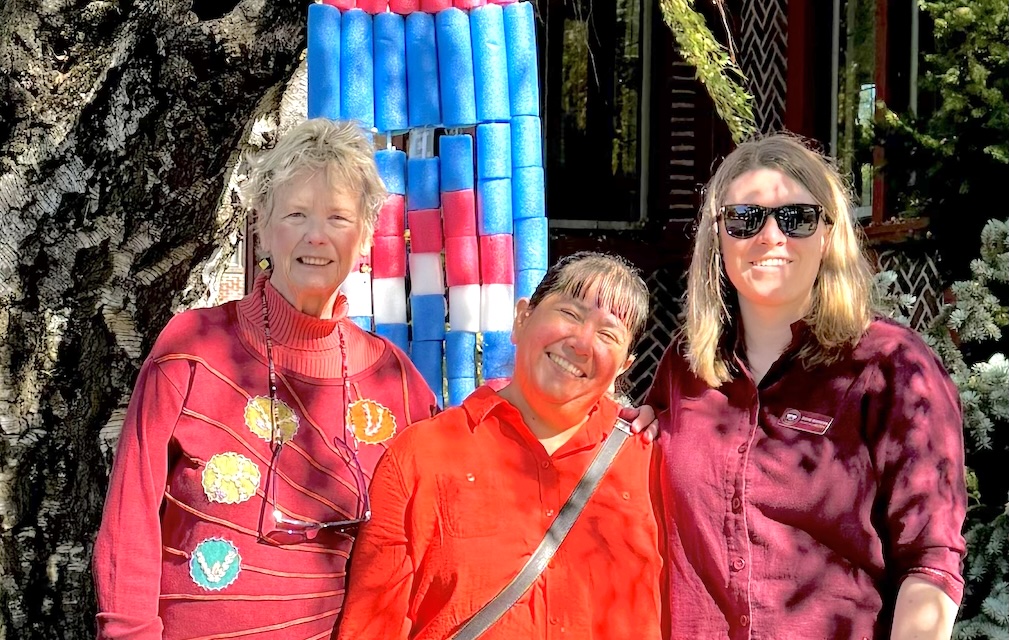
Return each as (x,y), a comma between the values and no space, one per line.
(177,553)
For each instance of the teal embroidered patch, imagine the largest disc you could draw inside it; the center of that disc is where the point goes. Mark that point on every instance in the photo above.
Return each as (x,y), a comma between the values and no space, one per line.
(215,564)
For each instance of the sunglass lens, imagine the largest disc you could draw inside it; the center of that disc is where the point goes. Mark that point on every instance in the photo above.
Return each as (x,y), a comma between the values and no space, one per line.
(743,221)
(798,221)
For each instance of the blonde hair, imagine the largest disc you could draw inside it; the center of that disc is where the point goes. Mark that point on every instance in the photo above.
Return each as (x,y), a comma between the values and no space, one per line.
(340,148)
(840,308)
(616,285)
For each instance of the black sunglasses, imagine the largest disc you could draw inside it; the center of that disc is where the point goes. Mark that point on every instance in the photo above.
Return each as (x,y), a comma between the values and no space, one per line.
(746,220)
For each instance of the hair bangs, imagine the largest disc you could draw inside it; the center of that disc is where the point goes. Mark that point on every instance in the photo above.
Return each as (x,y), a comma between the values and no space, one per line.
(605,291)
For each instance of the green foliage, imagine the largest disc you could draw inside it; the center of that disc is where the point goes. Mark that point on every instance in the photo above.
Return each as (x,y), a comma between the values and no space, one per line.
(976,318)
(953,159)
(890,304)
(715,69)
(951,164)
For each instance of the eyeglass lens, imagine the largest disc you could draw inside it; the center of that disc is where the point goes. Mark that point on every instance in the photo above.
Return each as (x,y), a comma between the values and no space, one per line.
(289,531)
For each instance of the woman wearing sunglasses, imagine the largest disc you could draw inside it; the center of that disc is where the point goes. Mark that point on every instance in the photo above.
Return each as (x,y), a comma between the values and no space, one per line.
(812,470)
(242,467)
(461,501)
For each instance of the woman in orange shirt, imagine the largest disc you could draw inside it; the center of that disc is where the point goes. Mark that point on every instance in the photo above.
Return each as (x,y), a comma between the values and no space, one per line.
(462,500)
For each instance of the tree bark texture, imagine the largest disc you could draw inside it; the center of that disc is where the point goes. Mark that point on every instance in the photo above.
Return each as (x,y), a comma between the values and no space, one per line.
(119,125)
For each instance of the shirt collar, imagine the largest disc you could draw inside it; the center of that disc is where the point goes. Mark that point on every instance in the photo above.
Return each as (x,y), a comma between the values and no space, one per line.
(484,401)
(800,334)
(800,328)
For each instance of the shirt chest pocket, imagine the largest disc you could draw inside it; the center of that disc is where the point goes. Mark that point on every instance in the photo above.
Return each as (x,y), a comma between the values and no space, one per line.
(470,504)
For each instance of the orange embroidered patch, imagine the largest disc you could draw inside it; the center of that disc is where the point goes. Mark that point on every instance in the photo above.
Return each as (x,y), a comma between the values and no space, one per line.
(370,422)
(257,418)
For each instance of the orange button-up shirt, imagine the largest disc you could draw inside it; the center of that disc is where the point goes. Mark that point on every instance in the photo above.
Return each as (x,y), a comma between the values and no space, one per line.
(462,500)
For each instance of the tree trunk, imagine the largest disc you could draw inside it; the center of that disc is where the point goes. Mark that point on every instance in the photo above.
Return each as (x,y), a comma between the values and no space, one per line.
(119,125)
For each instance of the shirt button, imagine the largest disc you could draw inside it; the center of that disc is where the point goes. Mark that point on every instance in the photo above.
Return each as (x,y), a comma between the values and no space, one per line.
(553,621)
(742,448)
(548,512)
(744,620)
(738,564)
(626,495)
(736,504)
(546,464)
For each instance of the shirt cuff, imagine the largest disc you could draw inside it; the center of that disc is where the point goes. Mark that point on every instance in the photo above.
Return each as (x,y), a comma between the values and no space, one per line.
(115,626)
(952,585)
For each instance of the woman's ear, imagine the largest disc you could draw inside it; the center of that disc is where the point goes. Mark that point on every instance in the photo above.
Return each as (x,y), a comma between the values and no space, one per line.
(627,364)
(522,311)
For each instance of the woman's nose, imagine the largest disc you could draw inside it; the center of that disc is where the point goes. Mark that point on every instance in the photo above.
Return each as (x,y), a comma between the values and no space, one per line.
(581,339)
(771,233)
(315,232)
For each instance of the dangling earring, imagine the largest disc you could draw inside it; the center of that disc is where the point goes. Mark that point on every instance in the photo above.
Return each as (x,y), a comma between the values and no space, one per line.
(265,264)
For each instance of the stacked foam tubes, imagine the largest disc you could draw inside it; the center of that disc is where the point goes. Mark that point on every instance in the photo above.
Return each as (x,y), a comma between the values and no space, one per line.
(357,289)
(405,7)
(324,21)
(368,63)
(388,253)
(462,264)
(451,63)
(423,88)
(427,286)
(528,205)
(506,88)
(497,264)
(391,112)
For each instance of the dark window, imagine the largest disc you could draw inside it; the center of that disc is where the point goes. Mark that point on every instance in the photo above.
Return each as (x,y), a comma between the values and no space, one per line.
(593,78)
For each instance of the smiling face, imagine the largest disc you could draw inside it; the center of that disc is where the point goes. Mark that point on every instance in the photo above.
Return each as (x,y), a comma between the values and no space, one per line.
(314,236)
(569,351)
(771,270)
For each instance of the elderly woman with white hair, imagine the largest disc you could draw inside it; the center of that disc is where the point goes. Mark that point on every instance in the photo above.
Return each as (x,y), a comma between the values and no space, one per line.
(254,428)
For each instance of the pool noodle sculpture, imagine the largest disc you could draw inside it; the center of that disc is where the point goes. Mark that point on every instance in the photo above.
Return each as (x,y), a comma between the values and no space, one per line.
(464,231)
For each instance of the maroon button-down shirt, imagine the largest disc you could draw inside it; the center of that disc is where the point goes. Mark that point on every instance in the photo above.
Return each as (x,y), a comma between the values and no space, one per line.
(794,509)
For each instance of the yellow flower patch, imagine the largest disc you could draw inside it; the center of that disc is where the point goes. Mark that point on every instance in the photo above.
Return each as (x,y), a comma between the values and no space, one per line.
(230,478)
(257,418)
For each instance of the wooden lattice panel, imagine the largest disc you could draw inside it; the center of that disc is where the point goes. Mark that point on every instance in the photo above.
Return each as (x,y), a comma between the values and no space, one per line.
(763,59)
(665,288)
(918,275)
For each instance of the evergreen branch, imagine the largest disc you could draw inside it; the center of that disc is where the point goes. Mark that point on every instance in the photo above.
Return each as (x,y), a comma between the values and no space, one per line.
(721,77)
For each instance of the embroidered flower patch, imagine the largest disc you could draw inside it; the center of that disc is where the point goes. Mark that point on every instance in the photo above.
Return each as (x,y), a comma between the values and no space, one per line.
(370,422)
(215,564)
(230,478)
(257,417)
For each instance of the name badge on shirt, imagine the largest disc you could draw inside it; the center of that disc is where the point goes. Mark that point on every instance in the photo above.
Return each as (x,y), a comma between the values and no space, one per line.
(805,421)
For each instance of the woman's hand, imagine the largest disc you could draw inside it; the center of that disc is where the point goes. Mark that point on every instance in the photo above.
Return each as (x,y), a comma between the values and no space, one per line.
(643,421)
